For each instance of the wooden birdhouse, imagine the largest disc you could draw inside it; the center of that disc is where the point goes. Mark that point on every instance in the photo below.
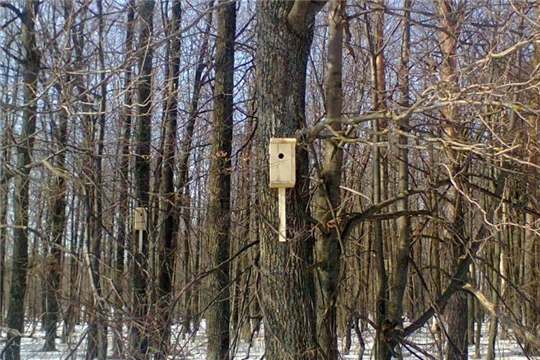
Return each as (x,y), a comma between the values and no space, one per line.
(282,175)
(282,163)
(139,221)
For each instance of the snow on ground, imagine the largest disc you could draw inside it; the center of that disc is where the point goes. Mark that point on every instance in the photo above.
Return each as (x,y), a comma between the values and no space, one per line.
(193,348)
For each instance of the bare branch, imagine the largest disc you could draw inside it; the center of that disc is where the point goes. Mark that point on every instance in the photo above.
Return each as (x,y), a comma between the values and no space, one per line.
(518,329)
(12,7)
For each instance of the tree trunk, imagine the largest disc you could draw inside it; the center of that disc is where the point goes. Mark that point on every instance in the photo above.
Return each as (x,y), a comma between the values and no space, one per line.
(385,340)
(55,241)
(495,292)
(400,271)
(329,243)
(456,310)
(169,213)
(17,292)
(183,179)
(218,315)
(97,333)
(123,238)
(287,289)
(532,252)
(3,220)
(139,336)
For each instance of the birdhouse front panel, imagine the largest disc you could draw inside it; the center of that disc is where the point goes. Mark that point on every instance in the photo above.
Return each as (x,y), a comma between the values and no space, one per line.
(140,218)
(282,162)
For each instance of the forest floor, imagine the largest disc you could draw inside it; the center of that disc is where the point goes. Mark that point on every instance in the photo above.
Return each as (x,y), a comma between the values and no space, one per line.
(422,345)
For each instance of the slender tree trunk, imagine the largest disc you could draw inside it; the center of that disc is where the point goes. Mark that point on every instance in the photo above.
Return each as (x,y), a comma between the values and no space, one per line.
(329,244)
(183,176)
(250,315)
(400,272)
(139,335)
(169,213)
(17,292)
(3,220)
(220,186)
(384,337)
(97,336)
(456,310)
(287,289)
(531,238)
(70,313)
(495,292)
(56,234)
(123,238)
(6,153)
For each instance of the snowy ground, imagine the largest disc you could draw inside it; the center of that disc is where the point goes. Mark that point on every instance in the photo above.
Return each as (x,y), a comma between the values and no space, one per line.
(194,348)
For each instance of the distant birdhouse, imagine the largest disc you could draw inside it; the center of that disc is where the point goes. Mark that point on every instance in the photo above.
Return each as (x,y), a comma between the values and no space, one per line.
(139,221)
(282,163)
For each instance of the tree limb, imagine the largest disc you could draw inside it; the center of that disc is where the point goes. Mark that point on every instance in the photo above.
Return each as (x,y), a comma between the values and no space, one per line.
(303,12)
(13,8)
(353,219)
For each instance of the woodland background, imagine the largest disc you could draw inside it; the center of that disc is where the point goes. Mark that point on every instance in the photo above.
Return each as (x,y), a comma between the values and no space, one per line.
(417,173)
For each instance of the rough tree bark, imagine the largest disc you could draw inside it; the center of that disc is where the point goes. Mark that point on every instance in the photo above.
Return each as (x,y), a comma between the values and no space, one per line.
(287,289)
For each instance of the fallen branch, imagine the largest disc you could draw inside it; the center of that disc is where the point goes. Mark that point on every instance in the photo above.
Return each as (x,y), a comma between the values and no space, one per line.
(506,321)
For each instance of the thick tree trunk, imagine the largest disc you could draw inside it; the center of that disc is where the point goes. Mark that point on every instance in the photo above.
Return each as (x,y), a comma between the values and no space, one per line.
(287,289)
